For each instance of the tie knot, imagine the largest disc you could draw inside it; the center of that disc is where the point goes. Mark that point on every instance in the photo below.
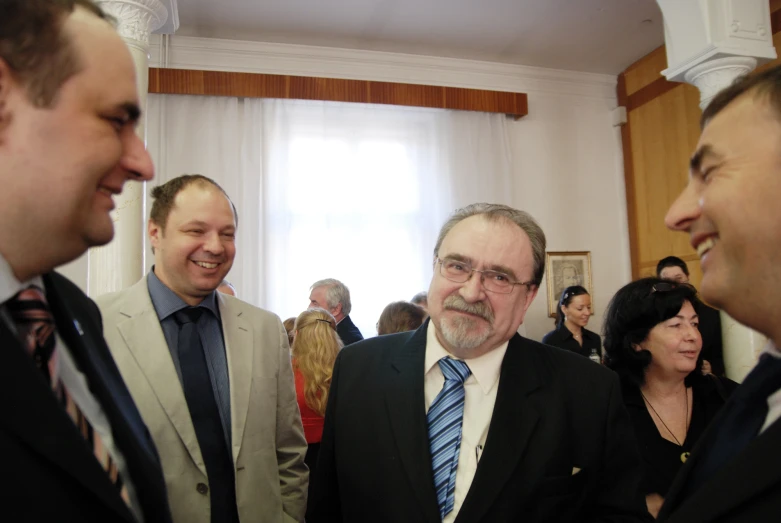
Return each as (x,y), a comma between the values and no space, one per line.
(29,304)
(454,369)
(188,315)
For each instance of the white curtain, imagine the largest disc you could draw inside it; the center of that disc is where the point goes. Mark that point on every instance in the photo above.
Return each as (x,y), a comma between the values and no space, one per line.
(355,192)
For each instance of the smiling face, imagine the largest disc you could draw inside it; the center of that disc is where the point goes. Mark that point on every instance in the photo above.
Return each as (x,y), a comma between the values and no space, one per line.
(730,210)
(195,251)
(62,164)
(674,344)
(469,320)
(579,310)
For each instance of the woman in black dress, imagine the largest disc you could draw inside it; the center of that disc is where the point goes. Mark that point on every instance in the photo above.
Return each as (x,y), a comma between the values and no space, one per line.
(572,317)
(652,341)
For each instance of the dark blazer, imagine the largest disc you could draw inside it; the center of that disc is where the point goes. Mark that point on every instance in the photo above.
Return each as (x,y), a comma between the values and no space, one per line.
(562,338)
(347,331)
(50,474)
(554,411)
(745,490)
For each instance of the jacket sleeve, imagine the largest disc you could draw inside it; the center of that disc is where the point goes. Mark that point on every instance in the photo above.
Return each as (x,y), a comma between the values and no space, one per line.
(291,443)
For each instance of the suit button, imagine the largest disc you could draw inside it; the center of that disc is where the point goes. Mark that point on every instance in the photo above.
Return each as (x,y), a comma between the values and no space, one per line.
(202,488)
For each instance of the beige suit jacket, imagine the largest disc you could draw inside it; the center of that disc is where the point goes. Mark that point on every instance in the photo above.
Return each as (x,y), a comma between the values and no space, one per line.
(267,437)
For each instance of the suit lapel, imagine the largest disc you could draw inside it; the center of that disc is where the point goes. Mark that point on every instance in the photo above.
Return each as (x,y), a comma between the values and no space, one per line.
(406,411)
(513,422)
(239,349)
(145,340)
(757,468)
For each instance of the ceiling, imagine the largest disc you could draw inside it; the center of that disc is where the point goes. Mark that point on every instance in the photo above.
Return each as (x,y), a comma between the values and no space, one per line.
(599,36)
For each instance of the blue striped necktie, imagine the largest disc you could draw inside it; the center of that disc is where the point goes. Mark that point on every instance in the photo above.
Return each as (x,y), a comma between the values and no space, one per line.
(445,417)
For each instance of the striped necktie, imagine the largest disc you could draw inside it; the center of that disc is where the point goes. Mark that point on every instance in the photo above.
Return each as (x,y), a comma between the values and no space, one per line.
(36,328)
(445,417)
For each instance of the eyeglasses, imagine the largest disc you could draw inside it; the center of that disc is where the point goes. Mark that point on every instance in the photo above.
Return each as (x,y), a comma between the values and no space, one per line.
(493,281)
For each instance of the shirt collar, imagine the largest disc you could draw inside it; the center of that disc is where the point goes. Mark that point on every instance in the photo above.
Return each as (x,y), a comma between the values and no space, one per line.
(166,302)
(9,285)
(485,368)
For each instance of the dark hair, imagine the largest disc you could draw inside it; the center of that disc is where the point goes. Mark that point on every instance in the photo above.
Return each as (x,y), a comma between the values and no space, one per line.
(671,261)
(767,83)
(634,310)
(400,316)
(33,45)
(165,194)
(566,298)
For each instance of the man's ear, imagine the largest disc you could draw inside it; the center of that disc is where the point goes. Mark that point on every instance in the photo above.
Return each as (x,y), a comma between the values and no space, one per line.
(337,310)
(155,233)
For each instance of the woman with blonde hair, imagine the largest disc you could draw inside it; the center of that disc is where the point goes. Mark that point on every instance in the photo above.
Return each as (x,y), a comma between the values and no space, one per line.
(315,346)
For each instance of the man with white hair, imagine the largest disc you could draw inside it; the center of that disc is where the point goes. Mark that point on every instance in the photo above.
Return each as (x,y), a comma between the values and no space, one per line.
(334,296)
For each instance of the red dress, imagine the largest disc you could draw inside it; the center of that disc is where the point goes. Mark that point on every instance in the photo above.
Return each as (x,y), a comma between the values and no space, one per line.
(312,421)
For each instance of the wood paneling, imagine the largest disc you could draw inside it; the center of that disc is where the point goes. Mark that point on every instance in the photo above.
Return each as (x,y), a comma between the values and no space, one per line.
(219,83)
(646,70)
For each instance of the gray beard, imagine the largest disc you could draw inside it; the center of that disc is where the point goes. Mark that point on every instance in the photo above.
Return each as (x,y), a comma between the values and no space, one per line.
(460,334)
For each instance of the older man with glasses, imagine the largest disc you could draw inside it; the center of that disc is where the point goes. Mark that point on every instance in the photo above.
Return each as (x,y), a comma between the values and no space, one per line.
(466,419)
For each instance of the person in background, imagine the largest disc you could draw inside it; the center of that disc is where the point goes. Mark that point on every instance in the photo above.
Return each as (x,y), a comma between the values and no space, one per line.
(572,316)
(73,446)
(227,287)
(421,300)
(334,296)
(290,325)
(675,269)
(400,316)
(315,347)
(653,342)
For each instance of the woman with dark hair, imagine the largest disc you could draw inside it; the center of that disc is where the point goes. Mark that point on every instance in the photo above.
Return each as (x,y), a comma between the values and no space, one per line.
(653,343)
(572,316)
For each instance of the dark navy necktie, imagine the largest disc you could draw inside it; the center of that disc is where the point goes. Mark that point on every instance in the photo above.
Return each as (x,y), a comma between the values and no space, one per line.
(205,416)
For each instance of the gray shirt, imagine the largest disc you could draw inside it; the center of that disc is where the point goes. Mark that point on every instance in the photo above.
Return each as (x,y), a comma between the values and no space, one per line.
(166,304)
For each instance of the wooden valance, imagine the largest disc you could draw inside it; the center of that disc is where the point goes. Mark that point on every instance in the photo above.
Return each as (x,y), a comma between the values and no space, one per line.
(253,85)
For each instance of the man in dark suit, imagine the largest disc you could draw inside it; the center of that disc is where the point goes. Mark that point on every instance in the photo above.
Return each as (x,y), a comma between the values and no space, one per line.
(72,444)
(674,268)
(464,420)
(730,210)
(334,296)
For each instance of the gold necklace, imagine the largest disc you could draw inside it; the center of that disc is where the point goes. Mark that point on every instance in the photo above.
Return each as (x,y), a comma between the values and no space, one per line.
(684,455)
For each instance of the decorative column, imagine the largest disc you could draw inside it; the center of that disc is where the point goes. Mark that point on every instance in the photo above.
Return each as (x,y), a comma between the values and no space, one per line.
(121,263)
(709,45)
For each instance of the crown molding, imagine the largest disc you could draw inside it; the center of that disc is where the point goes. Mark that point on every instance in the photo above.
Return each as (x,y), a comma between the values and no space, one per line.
(213,54)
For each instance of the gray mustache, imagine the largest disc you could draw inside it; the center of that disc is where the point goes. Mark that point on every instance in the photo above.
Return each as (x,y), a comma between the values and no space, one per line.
(457,303)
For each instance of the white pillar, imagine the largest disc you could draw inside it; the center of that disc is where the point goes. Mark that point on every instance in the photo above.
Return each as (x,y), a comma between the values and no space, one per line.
(709,44)
(121,263)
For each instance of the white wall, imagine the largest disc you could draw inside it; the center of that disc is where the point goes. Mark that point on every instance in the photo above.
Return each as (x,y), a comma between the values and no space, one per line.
(567,154)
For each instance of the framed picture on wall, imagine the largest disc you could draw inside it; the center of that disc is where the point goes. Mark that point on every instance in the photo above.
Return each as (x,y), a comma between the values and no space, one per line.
(565,269)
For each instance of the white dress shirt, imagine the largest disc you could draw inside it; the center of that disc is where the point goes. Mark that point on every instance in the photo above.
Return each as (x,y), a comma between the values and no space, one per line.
(480,396)
(73,379)
(774,400)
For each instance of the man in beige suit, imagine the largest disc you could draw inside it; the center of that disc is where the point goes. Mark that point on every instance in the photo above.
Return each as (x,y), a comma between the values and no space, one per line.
(210,374)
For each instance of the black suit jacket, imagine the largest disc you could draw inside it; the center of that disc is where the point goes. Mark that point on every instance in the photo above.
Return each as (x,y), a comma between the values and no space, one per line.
(50,473)
(348,332)
(554,411)
(710,328)
(745,490)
